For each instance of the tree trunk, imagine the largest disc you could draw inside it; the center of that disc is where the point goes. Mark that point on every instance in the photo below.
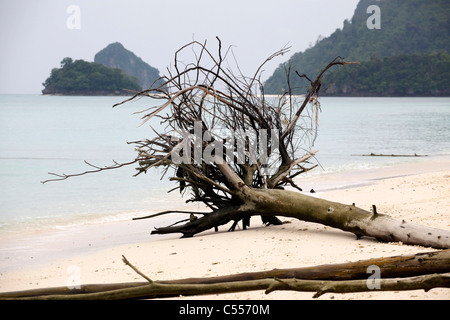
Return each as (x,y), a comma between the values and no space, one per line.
(273,202)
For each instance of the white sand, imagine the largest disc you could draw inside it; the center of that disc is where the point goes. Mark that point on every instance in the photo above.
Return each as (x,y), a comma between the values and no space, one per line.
(420,193)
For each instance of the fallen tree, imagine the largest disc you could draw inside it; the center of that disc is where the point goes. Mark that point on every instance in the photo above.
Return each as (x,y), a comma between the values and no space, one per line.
(236,150)
(420,271)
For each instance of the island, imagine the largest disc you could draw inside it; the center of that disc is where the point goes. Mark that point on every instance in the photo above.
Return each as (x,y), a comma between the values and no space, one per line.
(115,55)
(406,55)
(80,77)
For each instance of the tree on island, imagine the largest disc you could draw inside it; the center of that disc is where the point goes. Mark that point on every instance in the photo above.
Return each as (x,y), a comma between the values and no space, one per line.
(80,77)
(251,148)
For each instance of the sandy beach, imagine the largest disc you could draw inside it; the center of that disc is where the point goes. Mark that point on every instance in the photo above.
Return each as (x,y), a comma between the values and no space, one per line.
(417,192)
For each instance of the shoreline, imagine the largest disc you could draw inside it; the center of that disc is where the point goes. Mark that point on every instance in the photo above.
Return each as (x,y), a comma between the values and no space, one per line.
(417,191)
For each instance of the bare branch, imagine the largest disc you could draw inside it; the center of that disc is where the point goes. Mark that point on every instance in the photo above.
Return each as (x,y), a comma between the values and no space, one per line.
(314,90)
(135,269)
(98,169)
(167,212)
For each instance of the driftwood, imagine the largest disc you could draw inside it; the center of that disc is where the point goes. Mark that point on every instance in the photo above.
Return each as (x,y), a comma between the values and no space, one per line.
(421,271)
(391,155)
(154,290)
(296,205)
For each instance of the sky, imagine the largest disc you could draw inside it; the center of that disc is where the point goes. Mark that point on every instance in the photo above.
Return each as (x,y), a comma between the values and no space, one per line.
(36,35)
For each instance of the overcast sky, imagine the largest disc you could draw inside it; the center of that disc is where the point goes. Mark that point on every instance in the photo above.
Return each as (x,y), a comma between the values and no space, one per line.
(34,35)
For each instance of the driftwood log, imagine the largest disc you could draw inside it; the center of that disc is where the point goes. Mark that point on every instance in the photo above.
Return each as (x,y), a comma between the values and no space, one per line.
(154,290)
(296,205)
(411,272)
(391,155)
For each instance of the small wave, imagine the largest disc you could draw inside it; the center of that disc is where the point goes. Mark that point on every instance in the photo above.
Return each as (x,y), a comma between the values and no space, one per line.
(58,222)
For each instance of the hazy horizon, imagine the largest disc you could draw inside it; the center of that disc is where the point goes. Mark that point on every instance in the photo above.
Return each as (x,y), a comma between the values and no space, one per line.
(35,36)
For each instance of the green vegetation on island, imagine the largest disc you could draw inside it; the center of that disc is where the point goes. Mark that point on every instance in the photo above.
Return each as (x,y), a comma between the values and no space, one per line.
(401,75)
(80,77)
(407,56)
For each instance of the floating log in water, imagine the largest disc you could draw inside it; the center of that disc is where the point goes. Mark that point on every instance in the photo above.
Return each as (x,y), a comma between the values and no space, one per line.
(390,155)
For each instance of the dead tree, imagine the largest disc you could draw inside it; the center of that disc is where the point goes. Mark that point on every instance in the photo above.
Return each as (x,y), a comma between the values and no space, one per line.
(235,150)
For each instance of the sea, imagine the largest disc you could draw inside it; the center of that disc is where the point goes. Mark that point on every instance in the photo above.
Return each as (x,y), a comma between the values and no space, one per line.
(40,135)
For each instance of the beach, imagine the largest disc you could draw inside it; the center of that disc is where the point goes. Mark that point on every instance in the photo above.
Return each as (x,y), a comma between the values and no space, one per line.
(417,191)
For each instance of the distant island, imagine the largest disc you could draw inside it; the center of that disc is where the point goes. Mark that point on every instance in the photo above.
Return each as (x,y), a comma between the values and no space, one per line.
(80,77)
(115,71)
(408,55)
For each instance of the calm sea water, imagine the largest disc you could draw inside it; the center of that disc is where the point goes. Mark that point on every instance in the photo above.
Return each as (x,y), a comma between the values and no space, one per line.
(42,134)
